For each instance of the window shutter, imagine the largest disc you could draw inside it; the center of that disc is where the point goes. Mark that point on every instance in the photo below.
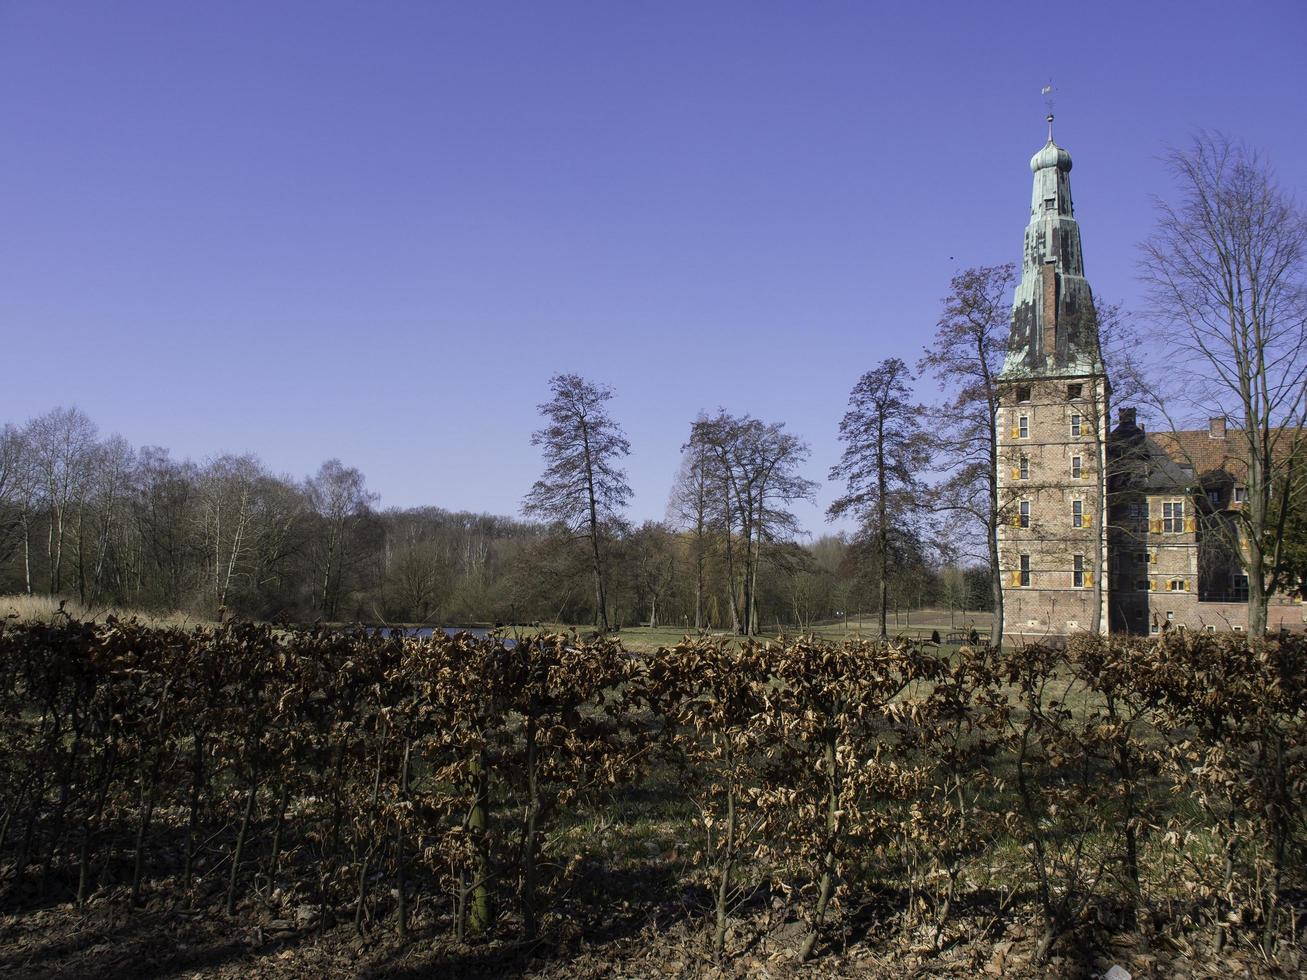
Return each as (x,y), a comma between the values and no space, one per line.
(1016,472)
(1088,520)
(1189,524)
(1016,432)
(1016,520)
(1155,525)
(1152,585)
(1016,578)
(1152,557)
(1089,580)
(1185,585)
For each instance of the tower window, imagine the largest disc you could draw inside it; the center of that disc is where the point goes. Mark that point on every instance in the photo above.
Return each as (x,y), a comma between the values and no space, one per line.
(1177,585)
(1023,426)
(1172,517)
(1241,495)
(1024,574)
(1077,513)
(1075,467)
(1078,571)
(1023,470)
(1023,514)
(1023,393)
(1075,426)
(1073,392)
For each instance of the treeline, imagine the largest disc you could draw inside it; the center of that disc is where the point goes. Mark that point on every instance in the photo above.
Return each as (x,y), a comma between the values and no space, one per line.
(111,525)
(1150,787)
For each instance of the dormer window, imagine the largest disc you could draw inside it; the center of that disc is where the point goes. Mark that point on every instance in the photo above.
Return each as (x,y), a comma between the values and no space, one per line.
(1073,392)
(1023,393)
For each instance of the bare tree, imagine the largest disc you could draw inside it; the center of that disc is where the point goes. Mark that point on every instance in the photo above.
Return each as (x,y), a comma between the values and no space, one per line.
(582,488)
(340,499)
(162,510)
(14,489)
(756,467)
(112,485)
(691,509)
(62,444)
(653,559)
(1226,273)
(227,493)
(965,360)
(885,453)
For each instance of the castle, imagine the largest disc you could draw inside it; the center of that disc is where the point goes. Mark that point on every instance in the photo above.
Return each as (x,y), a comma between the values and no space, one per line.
(1103,529)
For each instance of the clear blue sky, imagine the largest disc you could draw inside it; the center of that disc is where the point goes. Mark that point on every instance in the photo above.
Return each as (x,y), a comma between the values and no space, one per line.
(373,230)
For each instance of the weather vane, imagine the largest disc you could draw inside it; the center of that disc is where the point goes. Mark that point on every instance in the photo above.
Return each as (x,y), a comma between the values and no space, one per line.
(1048,101)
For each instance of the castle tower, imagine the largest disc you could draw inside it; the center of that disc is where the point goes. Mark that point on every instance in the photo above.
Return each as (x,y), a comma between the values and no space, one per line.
(1053,427)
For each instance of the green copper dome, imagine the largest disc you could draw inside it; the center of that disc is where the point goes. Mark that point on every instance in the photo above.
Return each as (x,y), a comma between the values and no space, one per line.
(1050,156)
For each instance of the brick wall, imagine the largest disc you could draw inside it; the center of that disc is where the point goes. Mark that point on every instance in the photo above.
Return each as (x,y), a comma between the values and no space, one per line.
(1040,469)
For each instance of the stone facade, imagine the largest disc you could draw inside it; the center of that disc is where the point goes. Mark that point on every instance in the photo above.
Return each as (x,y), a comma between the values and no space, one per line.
(1052,489)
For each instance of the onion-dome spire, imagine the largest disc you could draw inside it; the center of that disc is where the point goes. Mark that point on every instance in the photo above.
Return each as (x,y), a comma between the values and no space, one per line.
(1054,329)
(1051,156)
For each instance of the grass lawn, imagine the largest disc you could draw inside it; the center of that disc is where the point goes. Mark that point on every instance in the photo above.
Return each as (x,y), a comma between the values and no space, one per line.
(917,625)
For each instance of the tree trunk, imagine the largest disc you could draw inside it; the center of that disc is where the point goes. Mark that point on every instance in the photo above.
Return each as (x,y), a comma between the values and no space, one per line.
(724,883)
(827,882)
(478,823)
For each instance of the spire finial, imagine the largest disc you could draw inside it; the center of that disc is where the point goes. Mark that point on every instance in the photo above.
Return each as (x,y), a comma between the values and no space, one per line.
(1048,101)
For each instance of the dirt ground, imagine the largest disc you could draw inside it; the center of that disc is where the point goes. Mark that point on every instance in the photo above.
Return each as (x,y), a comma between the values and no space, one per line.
(108,940)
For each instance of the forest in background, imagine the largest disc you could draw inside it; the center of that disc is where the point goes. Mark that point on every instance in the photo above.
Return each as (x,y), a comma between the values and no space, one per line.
(108,524)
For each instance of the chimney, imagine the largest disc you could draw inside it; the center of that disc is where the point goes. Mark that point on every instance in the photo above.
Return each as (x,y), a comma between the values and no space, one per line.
(1126,416)
(1216,427)
(1050,310)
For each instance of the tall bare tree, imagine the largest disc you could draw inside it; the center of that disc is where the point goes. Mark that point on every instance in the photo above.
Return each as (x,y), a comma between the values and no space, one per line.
(886,452)
(582,487)
(965,360)
(1226,274)
(690,508)
(756,465)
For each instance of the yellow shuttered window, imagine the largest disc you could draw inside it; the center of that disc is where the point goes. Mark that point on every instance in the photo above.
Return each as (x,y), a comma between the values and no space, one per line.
(1016,472)
(1155,525)
(1189,525)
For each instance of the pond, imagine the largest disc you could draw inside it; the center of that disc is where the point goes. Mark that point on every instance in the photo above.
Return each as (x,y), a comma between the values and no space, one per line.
(422,632)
